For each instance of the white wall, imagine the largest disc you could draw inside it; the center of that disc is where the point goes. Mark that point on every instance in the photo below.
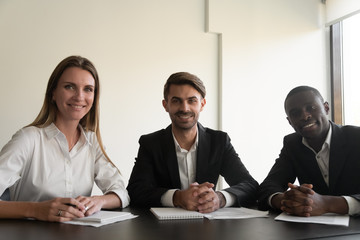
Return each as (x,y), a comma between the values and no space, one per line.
(135,45)
(267,48)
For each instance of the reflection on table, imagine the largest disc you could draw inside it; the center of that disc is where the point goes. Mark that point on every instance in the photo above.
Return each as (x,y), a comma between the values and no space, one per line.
(147,226)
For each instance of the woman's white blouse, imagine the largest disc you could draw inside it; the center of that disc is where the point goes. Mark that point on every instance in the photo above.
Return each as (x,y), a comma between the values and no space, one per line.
(36,165)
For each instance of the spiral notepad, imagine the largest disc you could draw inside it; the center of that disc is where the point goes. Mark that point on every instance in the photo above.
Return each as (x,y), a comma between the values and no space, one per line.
(168,213)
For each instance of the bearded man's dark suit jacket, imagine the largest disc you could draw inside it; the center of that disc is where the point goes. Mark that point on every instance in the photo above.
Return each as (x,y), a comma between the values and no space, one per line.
(156,168)
(298,161)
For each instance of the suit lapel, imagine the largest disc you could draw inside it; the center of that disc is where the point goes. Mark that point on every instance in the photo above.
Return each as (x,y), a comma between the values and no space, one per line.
(170,158)
(308,166)
(312,167)
(203,155)
(337,155)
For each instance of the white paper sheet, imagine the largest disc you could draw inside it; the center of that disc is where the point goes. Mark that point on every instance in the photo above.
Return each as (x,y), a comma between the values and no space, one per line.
(102,218)
(330,219)
(236,213)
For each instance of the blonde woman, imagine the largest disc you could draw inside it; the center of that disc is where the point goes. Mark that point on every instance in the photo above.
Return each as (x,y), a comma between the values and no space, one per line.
(50,165)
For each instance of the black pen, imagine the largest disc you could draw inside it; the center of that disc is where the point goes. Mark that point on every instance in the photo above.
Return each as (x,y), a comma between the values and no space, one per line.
(71,205)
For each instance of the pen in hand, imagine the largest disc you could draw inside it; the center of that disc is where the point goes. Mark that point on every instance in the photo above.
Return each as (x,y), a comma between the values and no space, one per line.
(74,206)
(71,205)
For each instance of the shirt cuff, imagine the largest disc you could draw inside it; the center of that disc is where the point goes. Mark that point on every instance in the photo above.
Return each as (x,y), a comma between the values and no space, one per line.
(271,196)
(167,198)
(230,198)
(354,205)
(123,195)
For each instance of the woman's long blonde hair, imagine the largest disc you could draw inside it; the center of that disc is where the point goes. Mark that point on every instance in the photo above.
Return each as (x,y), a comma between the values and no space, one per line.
(48,112)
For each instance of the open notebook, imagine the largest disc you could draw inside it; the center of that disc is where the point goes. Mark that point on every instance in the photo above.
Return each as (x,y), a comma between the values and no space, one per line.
(168,213)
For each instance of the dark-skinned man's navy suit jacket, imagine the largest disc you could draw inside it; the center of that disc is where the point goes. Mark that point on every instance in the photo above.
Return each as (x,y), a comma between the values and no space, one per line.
(156,167)
(298,161)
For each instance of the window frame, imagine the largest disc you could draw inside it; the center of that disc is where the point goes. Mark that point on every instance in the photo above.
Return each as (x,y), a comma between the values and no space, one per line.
(336,72)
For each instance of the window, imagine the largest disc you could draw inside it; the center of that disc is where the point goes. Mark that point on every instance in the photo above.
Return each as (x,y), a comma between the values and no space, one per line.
(345,73)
